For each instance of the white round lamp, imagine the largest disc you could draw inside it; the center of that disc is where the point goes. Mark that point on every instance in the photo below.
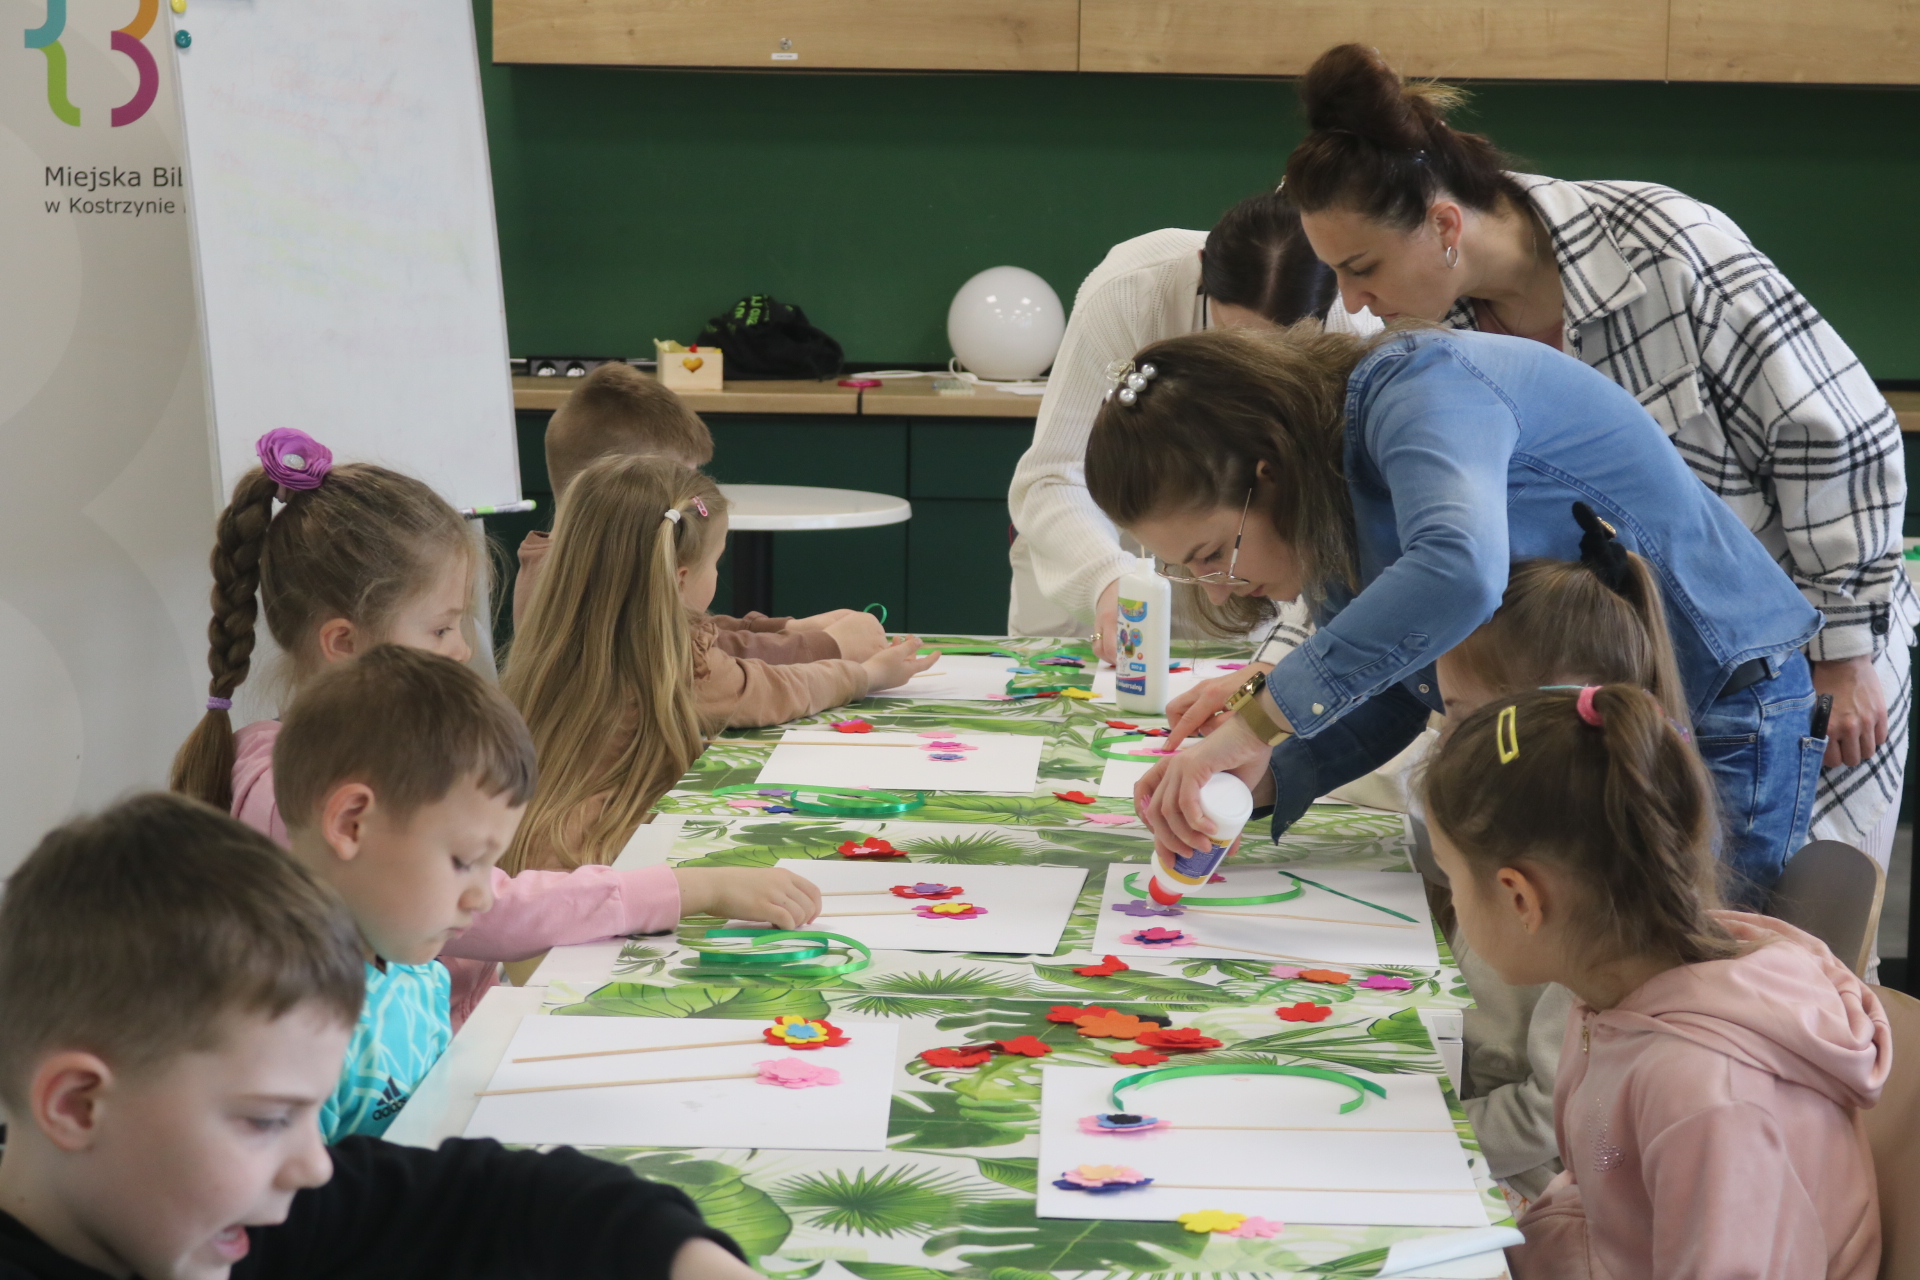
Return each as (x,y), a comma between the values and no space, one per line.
(1005,324)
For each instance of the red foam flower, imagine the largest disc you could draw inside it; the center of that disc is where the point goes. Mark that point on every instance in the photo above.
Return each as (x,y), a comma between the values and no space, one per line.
(1071,1013)
(1304,1012)
(1073,797)
(963,1056)
(1025,1046)
(851,726)
(1105,969)
(1126,725)
(871,847)
(1177,1040)
(1140,1058)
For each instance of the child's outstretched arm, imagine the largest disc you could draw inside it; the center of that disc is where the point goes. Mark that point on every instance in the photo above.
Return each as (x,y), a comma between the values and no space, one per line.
(536,910)
(770,894)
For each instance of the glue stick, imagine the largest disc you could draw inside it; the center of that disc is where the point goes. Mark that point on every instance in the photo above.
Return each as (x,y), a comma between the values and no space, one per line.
(1228,804)
(1141,648)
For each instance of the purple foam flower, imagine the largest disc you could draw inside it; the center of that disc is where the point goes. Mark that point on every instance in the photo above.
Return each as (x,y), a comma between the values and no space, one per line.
(1156,938)
(293,459)
(945,755)
(1142,907)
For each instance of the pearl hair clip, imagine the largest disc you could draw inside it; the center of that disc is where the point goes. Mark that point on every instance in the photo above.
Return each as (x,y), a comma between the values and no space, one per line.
(1129,382)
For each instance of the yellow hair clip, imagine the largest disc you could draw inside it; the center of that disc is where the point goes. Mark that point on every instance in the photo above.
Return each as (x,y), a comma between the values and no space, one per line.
(1506,735)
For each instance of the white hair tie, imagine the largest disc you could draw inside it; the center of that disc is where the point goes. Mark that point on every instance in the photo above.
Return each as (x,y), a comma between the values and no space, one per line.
(672,513)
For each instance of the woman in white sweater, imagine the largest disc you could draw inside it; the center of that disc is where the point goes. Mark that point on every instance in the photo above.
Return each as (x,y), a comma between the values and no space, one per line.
(1254,268)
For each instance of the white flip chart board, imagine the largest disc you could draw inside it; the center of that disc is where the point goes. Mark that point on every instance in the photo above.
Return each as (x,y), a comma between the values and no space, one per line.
(342,209)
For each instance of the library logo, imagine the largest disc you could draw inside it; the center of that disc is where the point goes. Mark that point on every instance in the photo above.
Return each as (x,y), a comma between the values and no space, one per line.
(127,40)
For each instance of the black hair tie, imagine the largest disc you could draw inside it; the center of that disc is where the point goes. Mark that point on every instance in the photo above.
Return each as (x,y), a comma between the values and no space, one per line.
(1600,549)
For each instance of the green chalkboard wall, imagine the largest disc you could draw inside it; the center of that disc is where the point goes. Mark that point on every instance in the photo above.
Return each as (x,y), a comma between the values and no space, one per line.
(634,204)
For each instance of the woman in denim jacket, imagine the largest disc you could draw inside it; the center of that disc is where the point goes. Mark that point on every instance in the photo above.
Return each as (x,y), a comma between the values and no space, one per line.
(1390,483)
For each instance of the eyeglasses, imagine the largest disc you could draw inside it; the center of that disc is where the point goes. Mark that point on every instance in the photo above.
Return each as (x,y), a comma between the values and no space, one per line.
(1223,579)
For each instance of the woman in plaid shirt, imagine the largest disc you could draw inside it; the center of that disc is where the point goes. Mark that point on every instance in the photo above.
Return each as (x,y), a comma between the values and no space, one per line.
(1669,299)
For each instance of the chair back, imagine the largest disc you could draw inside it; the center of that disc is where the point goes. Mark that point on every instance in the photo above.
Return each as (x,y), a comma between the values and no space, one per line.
(1833,891)
(1892,1128)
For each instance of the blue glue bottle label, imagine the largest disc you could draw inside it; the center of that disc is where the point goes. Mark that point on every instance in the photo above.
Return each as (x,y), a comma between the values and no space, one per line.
(1131,676)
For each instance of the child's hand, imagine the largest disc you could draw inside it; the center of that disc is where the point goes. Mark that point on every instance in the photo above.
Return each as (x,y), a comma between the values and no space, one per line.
(702,1259)
(859,635)
(896,664)
(821,621)
(779,897)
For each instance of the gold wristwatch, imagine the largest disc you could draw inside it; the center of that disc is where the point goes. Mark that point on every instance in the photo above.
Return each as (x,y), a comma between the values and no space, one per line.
(1245,703)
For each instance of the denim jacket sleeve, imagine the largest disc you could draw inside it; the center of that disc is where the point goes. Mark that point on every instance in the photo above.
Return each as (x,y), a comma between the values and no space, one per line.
(1429,443)
(1373,733)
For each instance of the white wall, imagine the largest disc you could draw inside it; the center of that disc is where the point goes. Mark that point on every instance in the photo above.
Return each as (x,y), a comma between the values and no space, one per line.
(106,480)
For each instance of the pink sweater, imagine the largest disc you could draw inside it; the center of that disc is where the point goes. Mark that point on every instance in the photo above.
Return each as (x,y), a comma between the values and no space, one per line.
(531,912)
(1708,1125)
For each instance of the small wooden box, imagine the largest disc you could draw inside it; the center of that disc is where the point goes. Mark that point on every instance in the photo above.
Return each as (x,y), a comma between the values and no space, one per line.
(689,368)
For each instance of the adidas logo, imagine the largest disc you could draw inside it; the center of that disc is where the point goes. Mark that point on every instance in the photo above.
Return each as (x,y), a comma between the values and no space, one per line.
(392,1098)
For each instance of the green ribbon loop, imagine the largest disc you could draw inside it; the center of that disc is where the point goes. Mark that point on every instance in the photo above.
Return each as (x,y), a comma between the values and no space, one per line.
(835,802)
(1100,746)
(782,951)
(1361,1088)
(1130,883)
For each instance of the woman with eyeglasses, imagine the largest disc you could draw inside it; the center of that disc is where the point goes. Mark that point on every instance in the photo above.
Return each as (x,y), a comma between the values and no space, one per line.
(1388,483)
(1254,268)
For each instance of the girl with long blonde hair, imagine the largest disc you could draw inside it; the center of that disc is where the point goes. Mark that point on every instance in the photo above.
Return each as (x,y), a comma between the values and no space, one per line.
(615,668)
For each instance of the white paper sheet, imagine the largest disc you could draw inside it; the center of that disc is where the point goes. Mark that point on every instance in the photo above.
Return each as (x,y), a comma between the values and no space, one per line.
(1274,932)
(999,762)
(1118,776)
(1178,682)
(1427,1169)
(849,1116)
(959,677)
(1026,907)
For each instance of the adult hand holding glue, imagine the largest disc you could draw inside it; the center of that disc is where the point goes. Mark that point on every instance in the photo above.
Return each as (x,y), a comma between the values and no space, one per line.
(1228,804)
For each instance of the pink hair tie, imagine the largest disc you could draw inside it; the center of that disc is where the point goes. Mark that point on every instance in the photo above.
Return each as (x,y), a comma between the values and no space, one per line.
(1584,705)
(293,459)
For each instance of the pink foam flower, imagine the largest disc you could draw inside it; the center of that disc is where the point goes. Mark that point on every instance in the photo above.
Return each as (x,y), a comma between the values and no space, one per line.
(949,911)
(1283,971)
(1256,1229)
(796,1073)
(1385,982)
(1110,819)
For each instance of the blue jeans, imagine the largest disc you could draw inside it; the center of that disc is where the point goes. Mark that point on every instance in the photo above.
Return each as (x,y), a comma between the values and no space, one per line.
(1765,766)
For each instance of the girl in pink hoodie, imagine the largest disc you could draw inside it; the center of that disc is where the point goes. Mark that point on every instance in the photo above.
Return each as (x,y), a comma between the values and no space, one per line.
(344,558)
(1714,1062)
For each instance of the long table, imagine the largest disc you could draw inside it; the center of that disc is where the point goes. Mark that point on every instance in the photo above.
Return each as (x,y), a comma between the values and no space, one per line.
(953,1196)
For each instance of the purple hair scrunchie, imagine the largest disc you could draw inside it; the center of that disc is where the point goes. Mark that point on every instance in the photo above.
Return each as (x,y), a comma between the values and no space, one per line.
(293,459)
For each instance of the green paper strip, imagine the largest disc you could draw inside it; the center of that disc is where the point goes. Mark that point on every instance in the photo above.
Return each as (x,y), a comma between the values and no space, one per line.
(1130,883)
(763,953)
(834,802)
(1100,746)
(1349,897)
(1361,1088)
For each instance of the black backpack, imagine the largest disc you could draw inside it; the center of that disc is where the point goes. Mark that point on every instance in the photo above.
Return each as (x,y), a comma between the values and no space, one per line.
(763,338)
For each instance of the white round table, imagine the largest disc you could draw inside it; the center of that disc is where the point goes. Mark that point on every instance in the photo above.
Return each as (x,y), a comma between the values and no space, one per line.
(758,511)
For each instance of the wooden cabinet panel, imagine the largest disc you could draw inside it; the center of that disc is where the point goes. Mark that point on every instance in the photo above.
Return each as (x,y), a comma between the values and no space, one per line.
(1514,39)
(1794,41)
(912,35)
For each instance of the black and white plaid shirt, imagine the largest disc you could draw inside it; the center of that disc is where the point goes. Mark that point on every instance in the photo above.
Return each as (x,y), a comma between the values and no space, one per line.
(1667,297)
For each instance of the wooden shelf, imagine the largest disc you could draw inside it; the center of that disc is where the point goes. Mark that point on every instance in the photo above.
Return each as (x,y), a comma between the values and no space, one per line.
(1514,39)
(1906,406)
(903,35)
(908,398)
(1796,42)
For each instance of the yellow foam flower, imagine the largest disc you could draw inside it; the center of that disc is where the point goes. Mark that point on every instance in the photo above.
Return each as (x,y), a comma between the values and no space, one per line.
(1206,1220)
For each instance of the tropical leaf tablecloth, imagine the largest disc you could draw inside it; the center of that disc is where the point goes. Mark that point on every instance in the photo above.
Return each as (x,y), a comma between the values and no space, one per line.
(953,1197)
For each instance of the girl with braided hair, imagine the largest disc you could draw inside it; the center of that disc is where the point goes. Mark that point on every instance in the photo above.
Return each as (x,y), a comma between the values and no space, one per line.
(342,559)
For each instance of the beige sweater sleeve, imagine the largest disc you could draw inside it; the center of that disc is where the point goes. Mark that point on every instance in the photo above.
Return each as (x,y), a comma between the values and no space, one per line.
(745,693)
(1512,1046)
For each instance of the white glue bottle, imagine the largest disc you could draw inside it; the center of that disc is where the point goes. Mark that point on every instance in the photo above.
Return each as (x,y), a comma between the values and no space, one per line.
(1144,643)
(1228,804)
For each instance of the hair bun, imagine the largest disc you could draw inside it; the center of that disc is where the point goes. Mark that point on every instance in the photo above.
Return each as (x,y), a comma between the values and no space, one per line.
(1351,88)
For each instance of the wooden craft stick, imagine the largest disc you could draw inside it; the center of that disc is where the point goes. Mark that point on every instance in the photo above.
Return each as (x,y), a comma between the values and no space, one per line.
(856,893)
(1301,1128)
(1278,955)
(657,1048)
(1374,1191)
(1288,915)
(614,1084)
(827,915)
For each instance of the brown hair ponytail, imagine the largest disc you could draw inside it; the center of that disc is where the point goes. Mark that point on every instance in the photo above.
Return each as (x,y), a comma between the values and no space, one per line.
(203,767)
(1623,807)
(1383,148)
(358,547)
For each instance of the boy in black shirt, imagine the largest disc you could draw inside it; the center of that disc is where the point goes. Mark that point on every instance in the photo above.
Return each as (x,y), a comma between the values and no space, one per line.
(175,997)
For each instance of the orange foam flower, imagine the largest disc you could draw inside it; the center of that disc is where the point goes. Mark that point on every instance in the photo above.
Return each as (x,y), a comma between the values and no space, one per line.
(1324,975)
(1114,1026)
